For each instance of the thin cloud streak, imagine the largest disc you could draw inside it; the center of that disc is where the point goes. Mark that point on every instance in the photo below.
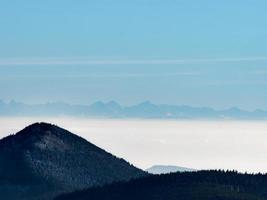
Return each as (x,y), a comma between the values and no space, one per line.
(85,61)
(122,75)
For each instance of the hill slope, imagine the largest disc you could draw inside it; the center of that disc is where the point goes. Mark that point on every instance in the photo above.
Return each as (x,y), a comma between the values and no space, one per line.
(43,160)
(201,185)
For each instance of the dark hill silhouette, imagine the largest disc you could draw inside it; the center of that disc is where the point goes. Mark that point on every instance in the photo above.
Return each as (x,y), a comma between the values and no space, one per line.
(43,160)
(200,185)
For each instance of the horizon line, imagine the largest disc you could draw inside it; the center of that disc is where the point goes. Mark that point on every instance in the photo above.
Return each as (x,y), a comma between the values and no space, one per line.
(135,104)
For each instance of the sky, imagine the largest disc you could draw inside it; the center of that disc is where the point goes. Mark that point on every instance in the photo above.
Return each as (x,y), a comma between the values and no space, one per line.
(199,53)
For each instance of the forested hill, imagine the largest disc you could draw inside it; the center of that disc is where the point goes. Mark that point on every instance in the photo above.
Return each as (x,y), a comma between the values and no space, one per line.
(44,160)
(201,185)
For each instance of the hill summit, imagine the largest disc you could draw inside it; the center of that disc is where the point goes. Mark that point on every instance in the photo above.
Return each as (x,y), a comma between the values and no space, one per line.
(44,160)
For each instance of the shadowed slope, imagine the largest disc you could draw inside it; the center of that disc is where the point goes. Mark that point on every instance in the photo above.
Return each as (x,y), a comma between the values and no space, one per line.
(201,185)
(44,160)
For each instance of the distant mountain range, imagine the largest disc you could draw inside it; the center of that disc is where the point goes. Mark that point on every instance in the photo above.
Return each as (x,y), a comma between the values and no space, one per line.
(43,161)
(113,109)
(165,169)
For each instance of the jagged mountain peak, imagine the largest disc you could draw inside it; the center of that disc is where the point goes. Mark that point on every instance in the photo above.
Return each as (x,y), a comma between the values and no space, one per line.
(113,104)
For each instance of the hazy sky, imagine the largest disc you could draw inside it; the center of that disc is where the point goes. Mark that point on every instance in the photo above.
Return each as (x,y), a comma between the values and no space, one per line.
(211,53)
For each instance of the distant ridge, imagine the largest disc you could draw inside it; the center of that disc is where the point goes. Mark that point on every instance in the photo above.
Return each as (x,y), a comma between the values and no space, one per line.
(44,160)
(112,109)
(165,169)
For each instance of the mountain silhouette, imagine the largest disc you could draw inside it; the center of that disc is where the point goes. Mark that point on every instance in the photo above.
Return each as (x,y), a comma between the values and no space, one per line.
(113,109)
(43,160)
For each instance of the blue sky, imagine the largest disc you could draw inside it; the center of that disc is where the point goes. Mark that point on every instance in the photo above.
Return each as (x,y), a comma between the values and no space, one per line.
(202,53)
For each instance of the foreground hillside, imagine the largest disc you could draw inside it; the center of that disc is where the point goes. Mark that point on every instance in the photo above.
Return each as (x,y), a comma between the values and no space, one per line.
(44,160)
(201,185)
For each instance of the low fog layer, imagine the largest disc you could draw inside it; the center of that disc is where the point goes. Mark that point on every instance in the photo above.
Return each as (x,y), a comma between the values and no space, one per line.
(237,145)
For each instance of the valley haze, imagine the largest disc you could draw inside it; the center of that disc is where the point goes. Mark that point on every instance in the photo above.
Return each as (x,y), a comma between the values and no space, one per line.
(197,144)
